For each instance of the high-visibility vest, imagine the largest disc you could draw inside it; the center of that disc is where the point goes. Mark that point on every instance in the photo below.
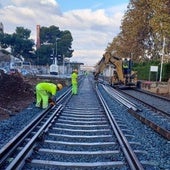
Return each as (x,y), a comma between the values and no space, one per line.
(125,66)
(48,87)
(74,77)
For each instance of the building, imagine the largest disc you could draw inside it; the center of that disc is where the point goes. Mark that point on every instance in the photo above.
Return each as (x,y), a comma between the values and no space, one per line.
(68,67)
(87,68)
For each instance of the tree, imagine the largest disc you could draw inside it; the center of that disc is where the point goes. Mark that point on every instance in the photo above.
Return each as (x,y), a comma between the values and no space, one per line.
(19,42)
(145,24)
(160,22)
(5,40)
(66,43)
(22,33)
(22,47)
(59,43)
(44,55)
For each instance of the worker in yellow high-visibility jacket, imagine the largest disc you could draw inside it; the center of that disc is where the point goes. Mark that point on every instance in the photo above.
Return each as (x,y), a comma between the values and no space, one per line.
(74,81)
(46,91)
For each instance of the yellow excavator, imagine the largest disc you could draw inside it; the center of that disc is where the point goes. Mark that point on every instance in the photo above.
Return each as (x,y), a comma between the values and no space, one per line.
(122,75)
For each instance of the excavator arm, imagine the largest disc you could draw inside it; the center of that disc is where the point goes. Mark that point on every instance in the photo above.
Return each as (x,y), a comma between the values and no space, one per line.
(122,75)
(101,65)
(109,59)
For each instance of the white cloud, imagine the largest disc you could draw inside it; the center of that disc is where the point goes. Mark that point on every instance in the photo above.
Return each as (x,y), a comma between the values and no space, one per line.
(34,3)
(92,30)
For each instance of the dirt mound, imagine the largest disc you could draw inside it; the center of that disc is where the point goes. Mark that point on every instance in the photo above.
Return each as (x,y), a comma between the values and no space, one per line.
(15,93)
(18,92)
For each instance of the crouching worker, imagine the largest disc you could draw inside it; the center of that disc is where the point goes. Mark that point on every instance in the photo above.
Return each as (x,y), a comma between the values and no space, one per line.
(46,92)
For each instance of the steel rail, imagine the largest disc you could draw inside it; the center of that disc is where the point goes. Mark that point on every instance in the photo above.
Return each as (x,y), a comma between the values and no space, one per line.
(15,142)
(160,130)
(44,161)
(26,149)
(25,152)
(121,99)
(148,105)
(132,159)
(163,132)
(8,149)
(152,94)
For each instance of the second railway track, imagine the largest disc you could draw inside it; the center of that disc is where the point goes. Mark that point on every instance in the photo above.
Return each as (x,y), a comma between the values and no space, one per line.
(154,110)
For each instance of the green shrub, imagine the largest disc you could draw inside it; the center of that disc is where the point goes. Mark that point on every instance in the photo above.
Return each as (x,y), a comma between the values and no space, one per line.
(143,70)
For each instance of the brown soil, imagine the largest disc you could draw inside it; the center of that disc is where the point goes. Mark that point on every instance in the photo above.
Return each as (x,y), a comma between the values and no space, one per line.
(16,93)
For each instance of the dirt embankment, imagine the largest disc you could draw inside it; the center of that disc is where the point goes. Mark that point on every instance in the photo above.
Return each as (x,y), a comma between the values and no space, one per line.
(16,93)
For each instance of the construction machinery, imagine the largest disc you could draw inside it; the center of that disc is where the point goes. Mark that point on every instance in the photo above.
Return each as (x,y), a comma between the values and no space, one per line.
(122,74)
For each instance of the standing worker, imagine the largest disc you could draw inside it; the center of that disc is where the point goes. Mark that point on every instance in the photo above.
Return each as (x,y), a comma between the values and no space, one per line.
(46,91)
(74,81)
(125,68)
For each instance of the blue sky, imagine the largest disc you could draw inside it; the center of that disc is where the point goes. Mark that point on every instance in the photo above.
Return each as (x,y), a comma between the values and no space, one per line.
(66,5)
(92,23)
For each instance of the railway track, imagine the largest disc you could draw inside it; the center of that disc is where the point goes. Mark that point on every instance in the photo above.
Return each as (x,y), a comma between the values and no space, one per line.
(155,102)
(77,135)
(158,119)
(80,132)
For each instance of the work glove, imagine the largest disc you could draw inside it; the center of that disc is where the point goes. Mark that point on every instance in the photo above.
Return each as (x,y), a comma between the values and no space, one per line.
(52,101)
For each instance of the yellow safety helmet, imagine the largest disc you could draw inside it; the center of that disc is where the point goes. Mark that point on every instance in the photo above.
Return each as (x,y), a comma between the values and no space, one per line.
(76,70)
(59,86)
